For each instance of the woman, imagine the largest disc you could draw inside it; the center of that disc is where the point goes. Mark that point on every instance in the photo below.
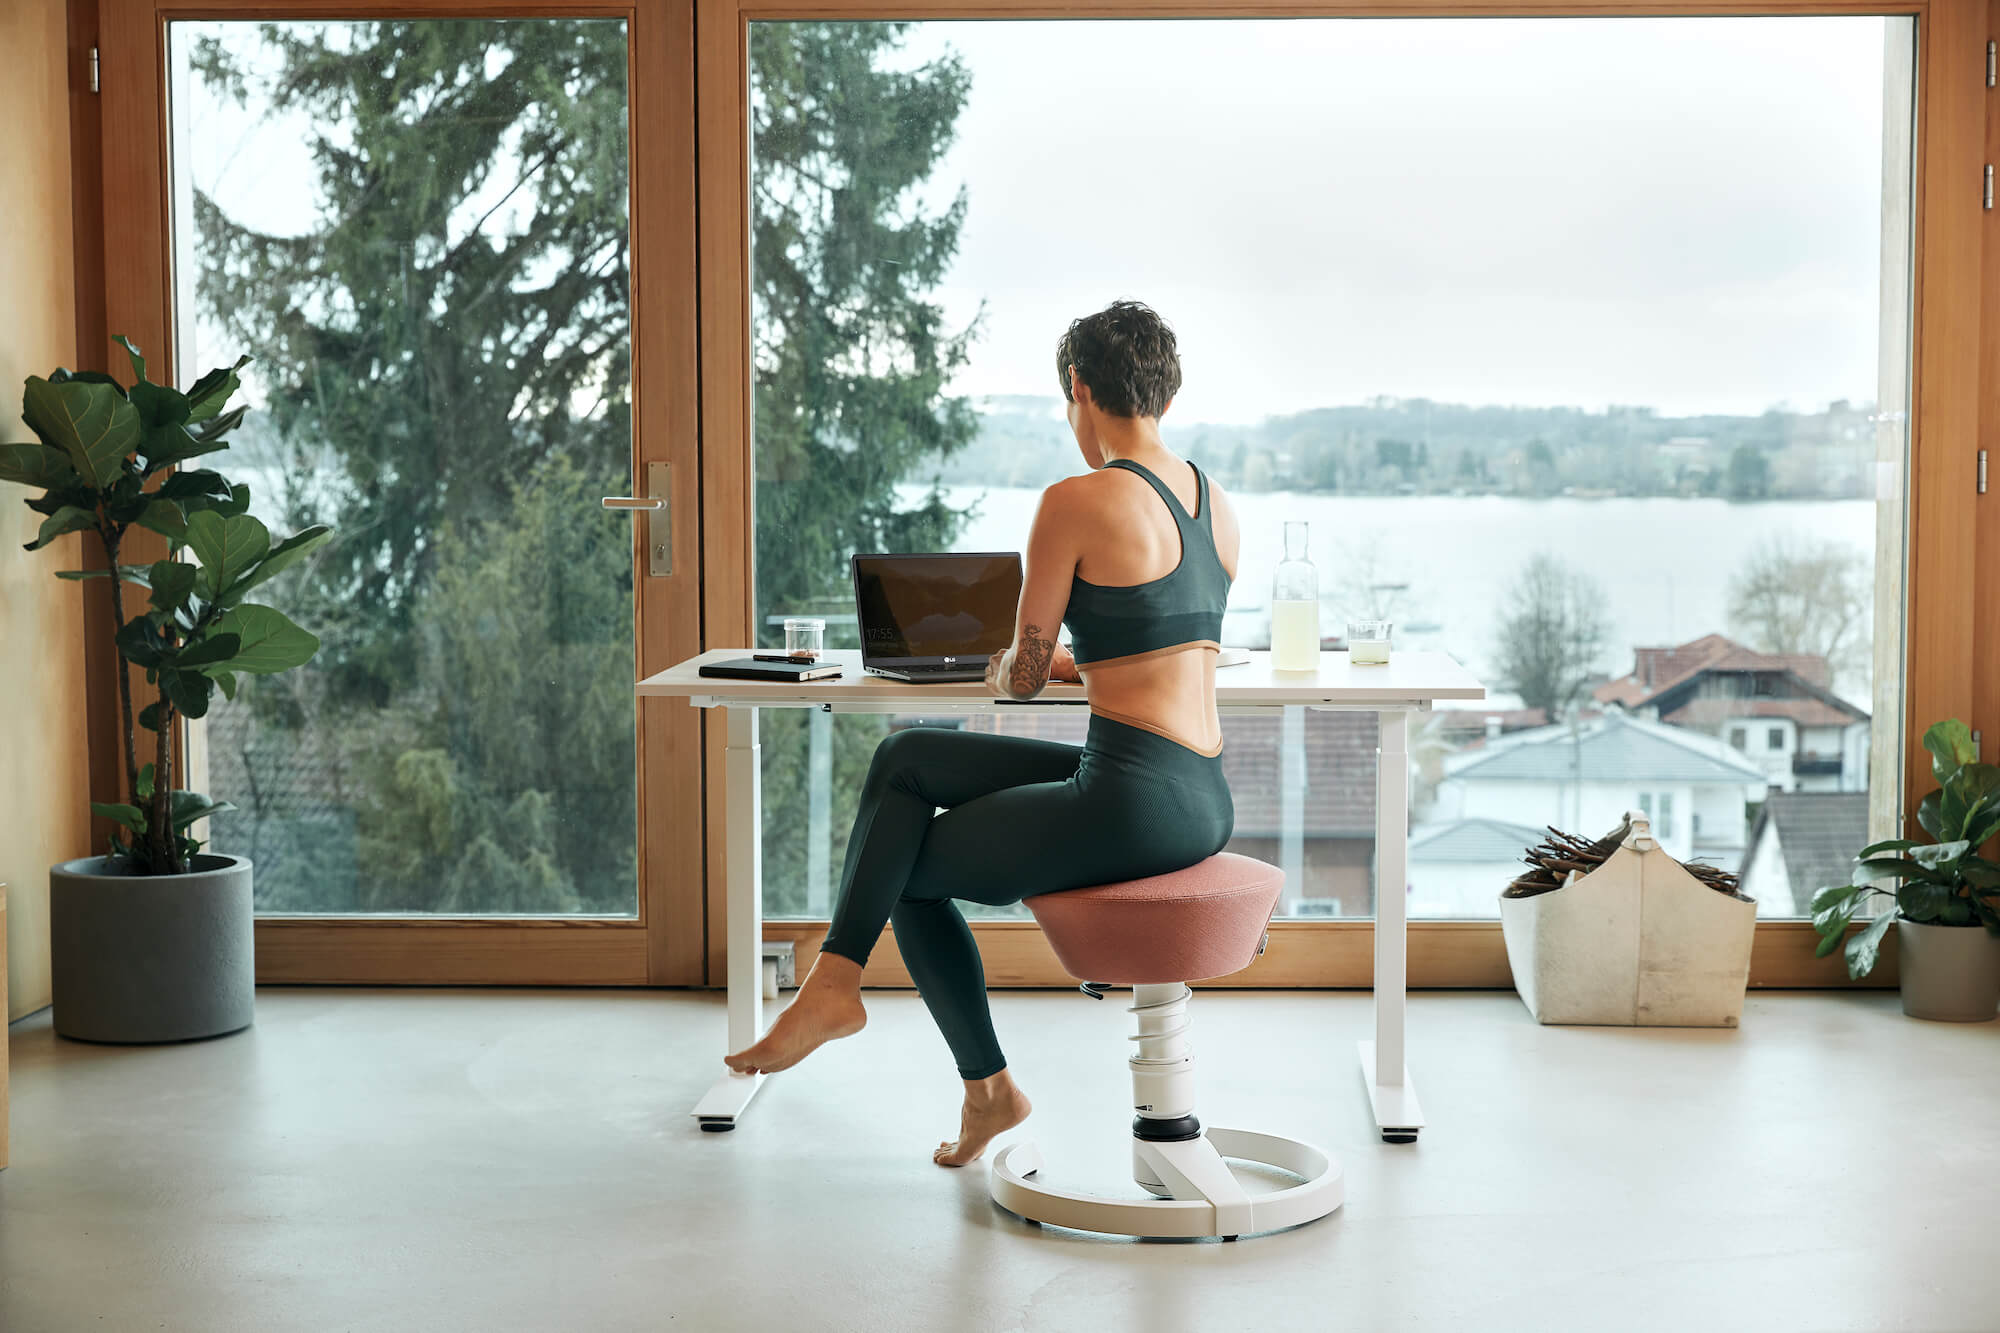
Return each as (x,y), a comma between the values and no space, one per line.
(1136,556)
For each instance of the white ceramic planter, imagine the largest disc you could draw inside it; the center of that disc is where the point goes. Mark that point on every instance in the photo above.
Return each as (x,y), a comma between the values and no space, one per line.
(1637,941)
(1950,973)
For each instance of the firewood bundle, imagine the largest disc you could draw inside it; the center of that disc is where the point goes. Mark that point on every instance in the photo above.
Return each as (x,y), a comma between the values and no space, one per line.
(1560,854)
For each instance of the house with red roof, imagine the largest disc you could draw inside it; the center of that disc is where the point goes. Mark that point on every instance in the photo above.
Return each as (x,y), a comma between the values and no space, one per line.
(1776,709)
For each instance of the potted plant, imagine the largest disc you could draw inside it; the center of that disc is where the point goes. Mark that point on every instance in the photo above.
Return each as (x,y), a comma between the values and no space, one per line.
(153,942)
(1946,897)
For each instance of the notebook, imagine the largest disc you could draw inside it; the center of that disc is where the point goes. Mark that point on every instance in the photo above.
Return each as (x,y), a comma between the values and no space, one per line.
(745,668)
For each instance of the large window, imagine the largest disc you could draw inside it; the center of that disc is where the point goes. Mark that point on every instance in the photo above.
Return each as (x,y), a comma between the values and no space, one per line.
(419,230)
(1581,345)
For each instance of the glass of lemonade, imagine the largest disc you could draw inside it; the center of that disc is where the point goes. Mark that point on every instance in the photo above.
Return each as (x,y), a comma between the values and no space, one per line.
(1368,642)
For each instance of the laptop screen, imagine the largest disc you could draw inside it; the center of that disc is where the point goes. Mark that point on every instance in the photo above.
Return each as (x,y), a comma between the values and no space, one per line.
(932,607)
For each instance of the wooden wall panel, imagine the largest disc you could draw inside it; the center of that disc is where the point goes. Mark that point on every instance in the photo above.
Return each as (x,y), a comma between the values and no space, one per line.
(44,754)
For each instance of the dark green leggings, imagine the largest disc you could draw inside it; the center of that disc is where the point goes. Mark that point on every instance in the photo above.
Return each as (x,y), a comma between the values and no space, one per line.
(994,819)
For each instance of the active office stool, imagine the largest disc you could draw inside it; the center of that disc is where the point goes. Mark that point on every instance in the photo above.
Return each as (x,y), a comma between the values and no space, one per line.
(1156,935)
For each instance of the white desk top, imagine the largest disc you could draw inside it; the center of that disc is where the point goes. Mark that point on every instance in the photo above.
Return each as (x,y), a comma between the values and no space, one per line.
(1409,679)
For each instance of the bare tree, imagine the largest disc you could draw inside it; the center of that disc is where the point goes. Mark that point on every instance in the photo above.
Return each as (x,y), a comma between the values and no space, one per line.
(1552,634)
(1802,594)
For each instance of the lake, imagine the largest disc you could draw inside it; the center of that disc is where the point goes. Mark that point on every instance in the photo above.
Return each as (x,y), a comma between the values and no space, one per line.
(1665,565)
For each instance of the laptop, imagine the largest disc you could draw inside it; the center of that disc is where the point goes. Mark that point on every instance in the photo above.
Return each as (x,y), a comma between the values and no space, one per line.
(935,617)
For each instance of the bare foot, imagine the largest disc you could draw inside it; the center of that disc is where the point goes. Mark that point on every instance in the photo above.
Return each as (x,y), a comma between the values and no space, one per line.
(827,1007)
(992,1107)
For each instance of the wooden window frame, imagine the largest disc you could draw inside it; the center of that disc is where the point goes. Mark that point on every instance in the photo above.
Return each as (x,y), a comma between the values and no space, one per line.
(124,286)
(690,86)
(1943,547)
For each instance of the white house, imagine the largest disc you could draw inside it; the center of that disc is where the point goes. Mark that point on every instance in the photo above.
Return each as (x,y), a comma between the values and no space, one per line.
(1694,787)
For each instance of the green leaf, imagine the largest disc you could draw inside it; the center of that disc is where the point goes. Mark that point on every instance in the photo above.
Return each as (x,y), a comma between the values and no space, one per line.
(1937,853)
(1980,872)
(1927,815)
(188,806)
(159,405)
(1893,844)
(213,390)
(164,446)
(1865,948)
(226,547)
(139,574)
(91,423)
(186,485)
(164,517)
(129,816)
(212,649)
(138,359)
(286,554)
(189,691)
(270,642)
(35,465)
(1832,930)
(149,717)
(1922,903)
(145,791)
(171,581)
(1834,895)
(226,679)
(212,430)
(141,642)
(67,519)
(1892,867)
(1950,744)
(85,377)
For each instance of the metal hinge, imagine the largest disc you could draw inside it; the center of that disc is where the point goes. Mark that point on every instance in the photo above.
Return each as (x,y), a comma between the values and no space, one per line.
(93,69)
(1989,185)
(1975,747)
(1982,472)
(1992,63)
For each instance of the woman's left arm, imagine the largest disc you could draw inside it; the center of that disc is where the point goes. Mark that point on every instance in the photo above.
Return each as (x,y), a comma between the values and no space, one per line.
(1050,564)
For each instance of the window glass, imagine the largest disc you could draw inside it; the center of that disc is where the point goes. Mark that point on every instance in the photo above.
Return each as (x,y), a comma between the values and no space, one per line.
(1625,438)
(419,230)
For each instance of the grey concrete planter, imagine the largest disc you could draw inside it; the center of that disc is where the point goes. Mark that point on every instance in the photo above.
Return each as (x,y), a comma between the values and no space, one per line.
(149,958)
(1950,973)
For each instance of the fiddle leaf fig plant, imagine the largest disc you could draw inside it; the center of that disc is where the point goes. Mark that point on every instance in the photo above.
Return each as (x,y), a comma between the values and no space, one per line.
(1941,883)
(101,458)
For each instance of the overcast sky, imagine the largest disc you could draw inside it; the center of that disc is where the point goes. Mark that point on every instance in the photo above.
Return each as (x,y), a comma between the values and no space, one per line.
(1684,213)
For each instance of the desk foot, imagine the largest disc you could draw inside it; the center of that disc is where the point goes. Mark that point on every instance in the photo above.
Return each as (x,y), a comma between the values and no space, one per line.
(722,1104)
(1397,1113)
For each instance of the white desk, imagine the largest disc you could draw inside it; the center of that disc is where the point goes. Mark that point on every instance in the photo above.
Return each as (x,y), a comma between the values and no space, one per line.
(1411,682)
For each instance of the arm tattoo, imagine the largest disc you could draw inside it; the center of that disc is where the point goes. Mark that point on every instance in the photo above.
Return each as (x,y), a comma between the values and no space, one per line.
(1032,659)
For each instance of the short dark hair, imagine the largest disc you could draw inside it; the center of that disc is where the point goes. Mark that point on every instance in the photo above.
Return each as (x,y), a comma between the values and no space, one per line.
(1127,355)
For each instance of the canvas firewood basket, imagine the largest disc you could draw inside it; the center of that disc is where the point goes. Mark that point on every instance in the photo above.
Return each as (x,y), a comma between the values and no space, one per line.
(1637,941)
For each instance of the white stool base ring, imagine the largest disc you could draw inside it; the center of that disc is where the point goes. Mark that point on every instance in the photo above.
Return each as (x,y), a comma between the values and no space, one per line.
(1208,1200)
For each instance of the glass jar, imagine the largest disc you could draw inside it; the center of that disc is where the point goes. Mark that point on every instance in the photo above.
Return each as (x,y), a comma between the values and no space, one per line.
(804,636)
(1295,606)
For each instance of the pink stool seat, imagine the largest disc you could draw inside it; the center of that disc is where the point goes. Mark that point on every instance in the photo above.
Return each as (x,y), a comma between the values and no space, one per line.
(1204,921)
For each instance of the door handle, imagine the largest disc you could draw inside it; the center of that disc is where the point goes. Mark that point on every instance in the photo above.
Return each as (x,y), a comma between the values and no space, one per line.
(654,504)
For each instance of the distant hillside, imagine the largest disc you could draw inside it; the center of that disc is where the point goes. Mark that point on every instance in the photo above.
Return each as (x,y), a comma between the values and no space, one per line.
(1391,446)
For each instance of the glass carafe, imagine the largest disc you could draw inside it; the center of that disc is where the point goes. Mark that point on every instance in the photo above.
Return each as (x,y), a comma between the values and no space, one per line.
(1295,606)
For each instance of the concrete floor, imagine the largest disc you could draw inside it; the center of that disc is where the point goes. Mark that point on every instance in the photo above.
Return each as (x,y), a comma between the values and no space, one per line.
(498,1160)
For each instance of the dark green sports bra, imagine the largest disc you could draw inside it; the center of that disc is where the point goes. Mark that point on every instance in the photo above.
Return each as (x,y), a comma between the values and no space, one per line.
(1182,610)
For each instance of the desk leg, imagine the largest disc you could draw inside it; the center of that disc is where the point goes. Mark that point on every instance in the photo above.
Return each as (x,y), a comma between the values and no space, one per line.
(743,798)
(1390,1091)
